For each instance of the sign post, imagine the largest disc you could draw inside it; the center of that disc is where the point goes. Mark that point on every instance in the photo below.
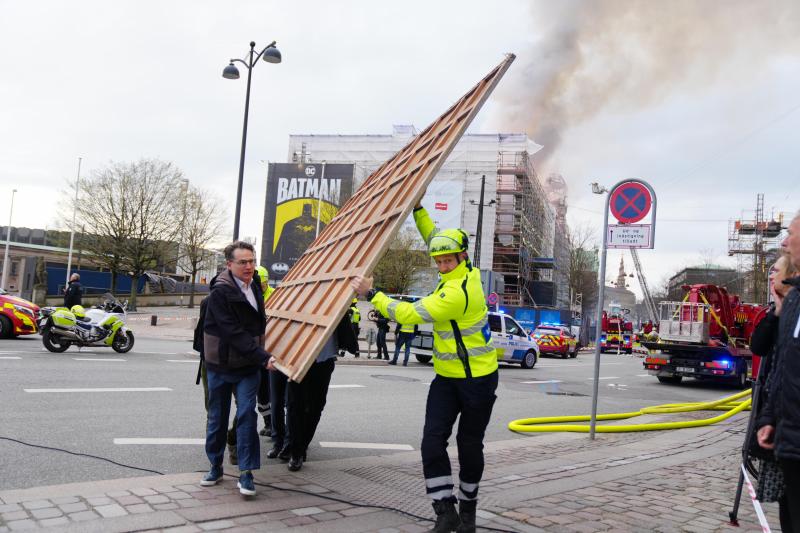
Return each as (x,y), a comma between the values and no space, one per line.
(629,201)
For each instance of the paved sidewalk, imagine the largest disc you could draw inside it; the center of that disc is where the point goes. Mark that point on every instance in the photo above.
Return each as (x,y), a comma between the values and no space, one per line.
(680,480)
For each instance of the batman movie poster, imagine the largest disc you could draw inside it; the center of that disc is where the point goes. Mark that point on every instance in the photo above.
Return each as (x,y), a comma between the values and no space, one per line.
(301,199)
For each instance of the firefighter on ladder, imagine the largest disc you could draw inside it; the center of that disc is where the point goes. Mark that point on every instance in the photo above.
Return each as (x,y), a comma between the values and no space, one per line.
(465,362)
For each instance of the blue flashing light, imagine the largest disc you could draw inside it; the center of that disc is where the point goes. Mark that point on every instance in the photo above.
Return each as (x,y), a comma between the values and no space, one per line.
(501,310)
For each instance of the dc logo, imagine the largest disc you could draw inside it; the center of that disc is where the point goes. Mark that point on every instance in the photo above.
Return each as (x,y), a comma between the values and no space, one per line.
(310,171)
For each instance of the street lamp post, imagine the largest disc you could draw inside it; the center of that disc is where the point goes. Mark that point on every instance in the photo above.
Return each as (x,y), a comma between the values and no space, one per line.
(478,232)
(8,242)
(271,55)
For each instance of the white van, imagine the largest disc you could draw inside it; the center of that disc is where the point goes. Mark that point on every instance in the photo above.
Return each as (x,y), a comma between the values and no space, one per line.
(512,343)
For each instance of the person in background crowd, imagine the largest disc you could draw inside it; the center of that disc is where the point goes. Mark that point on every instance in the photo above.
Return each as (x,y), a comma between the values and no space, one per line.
(233,339)
(355,319)
(263,405)
(307,399)
(383,329)
(779,423)
(73,292)
(763,342)
(403,334)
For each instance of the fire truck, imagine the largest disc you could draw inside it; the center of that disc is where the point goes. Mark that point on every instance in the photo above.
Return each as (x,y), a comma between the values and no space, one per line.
(704,336)
(617,333)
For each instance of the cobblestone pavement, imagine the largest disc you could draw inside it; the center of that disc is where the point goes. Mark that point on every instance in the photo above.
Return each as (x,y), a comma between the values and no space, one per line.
(658,481)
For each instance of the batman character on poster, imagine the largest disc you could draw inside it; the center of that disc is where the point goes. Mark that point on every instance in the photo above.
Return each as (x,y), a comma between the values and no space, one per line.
(301,199)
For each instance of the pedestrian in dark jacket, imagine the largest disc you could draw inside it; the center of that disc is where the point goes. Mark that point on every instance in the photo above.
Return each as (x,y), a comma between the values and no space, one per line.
(233,339)
(383,329)
(73,292)
(779,423)
(307,399)
(764,343)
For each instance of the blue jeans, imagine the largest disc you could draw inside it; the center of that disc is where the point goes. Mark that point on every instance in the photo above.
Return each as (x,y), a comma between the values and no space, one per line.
(403,338)
(245,388)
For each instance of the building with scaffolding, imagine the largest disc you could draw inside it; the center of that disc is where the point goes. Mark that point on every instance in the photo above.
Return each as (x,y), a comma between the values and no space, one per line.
(517,233)
(755,242)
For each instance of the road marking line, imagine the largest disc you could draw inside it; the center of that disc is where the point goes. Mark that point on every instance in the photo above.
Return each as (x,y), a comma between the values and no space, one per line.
(607,377)
(367,446)
(182,361)
(544,381)
(345,386)
(9,357)
(160,441)
(122,389)
(96,359)
(156,353)
(642,375)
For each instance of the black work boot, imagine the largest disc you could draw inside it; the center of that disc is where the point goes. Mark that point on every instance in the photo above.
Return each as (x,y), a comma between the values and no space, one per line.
(267,431)
(446,516)
(466,512)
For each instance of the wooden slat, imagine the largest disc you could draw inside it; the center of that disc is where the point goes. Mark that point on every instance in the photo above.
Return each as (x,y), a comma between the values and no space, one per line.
(315,294)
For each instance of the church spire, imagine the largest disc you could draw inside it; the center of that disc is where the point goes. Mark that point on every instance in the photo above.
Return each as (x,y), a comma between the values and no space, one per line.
(621,276)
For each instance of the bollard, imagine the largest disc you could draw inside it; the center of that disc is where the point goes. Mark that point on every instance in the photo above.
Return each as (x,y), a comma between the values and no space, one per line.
(153,320)
(370,341)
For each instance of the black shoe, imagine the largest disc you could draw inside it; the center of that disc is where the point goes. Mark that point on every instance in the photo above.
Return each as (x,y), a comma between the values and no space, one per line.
(447,518)
(285,454)
(232,454)
(273,452)
(295,464)
(466,512)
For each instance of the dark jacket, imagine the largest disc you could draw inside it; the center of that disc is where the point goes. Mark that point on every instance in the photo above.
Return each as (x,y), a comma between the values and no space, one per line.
(345,336)
(783,400)
(233,332)
(383,323)
(73,293)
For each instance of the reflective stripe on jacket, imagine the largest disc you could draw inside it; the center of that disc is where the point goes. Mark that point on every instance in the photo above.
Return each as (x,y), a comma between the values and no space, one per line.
(407,328)
(459,300)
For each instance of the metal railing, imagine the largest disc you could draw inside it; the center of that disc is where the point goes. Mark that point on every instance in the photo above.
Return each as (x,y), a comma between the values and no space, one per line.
(684,322)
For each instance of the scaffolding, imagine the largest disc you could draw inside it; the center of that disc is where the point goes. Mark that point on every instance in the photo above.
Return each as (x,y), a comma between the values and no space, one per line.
(759,238)
(524,228)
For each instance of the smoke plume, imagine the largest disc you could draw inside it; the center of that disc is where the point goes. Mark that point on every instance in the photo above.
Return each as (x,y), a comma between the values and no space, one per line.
(624,55)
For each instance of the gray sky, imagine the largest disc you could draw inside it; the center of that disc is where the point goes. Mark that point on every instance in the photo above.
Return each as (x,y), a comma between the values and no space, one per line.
(700,98)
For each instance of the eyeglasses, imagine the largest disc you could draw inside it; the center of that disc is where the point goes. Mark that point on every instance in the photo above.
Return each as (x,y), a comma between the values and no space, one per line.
(244,262)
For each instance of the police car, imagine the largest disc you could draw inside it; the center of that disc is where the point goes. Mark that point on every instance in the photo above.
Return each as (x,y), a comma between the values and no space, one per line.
(512,343)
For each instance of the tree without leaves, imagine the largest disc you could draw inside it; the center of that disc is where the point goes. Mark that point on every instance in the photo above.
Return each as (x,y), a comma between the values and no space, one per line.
(126,214)
(103,217)
(401,264)
(582,274)
(152,196)
(202,223)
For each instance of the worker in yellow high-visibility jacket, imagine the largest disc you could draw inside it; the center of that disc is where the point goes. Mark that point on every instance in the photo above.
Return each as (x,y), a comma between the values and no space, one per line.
(263,404)
(465,362)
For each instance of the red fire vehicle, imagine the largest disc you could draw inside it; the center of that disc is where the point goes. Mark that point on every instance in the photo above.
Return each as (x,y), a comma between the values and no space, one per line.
(705,336)
(617,335)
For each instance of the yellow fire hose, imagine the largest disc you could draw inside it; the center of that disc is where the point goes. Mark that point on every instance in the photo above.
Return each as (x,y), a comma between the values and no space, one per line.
(556,423)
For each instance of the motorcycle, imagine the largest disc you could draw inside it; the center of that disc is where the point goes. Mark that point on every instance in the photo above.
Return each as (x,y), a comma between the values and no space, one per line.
(102,325)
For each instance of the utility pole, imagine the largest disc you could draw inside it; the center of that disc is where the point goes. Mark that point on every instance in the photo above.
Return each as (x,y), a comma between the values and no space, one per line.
(478,232)
(8,243)
(72,227)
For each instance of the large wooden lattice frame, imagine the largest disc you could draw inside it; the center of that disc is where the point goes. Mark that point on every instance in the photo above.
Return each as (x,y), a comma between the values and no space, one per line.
(315,294)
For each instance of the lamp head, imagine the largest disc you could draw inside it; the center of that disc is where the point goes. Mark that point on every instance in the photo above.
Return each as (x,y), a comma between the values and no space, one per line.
(231,72)
(272,55)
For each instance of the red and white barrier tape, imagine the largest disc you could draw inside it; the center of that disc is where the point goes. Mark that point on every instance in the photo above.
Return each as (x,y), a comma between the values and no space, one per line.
(756,504)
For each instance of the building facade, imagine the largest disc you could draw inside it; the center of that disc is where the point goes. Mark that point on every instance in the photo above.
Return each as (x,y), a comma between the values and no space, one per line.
(517,223)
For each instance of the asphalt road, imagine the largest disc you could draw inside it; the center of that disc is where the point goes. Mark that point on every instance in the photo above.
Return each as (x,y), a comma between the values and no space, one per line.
(381,405)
